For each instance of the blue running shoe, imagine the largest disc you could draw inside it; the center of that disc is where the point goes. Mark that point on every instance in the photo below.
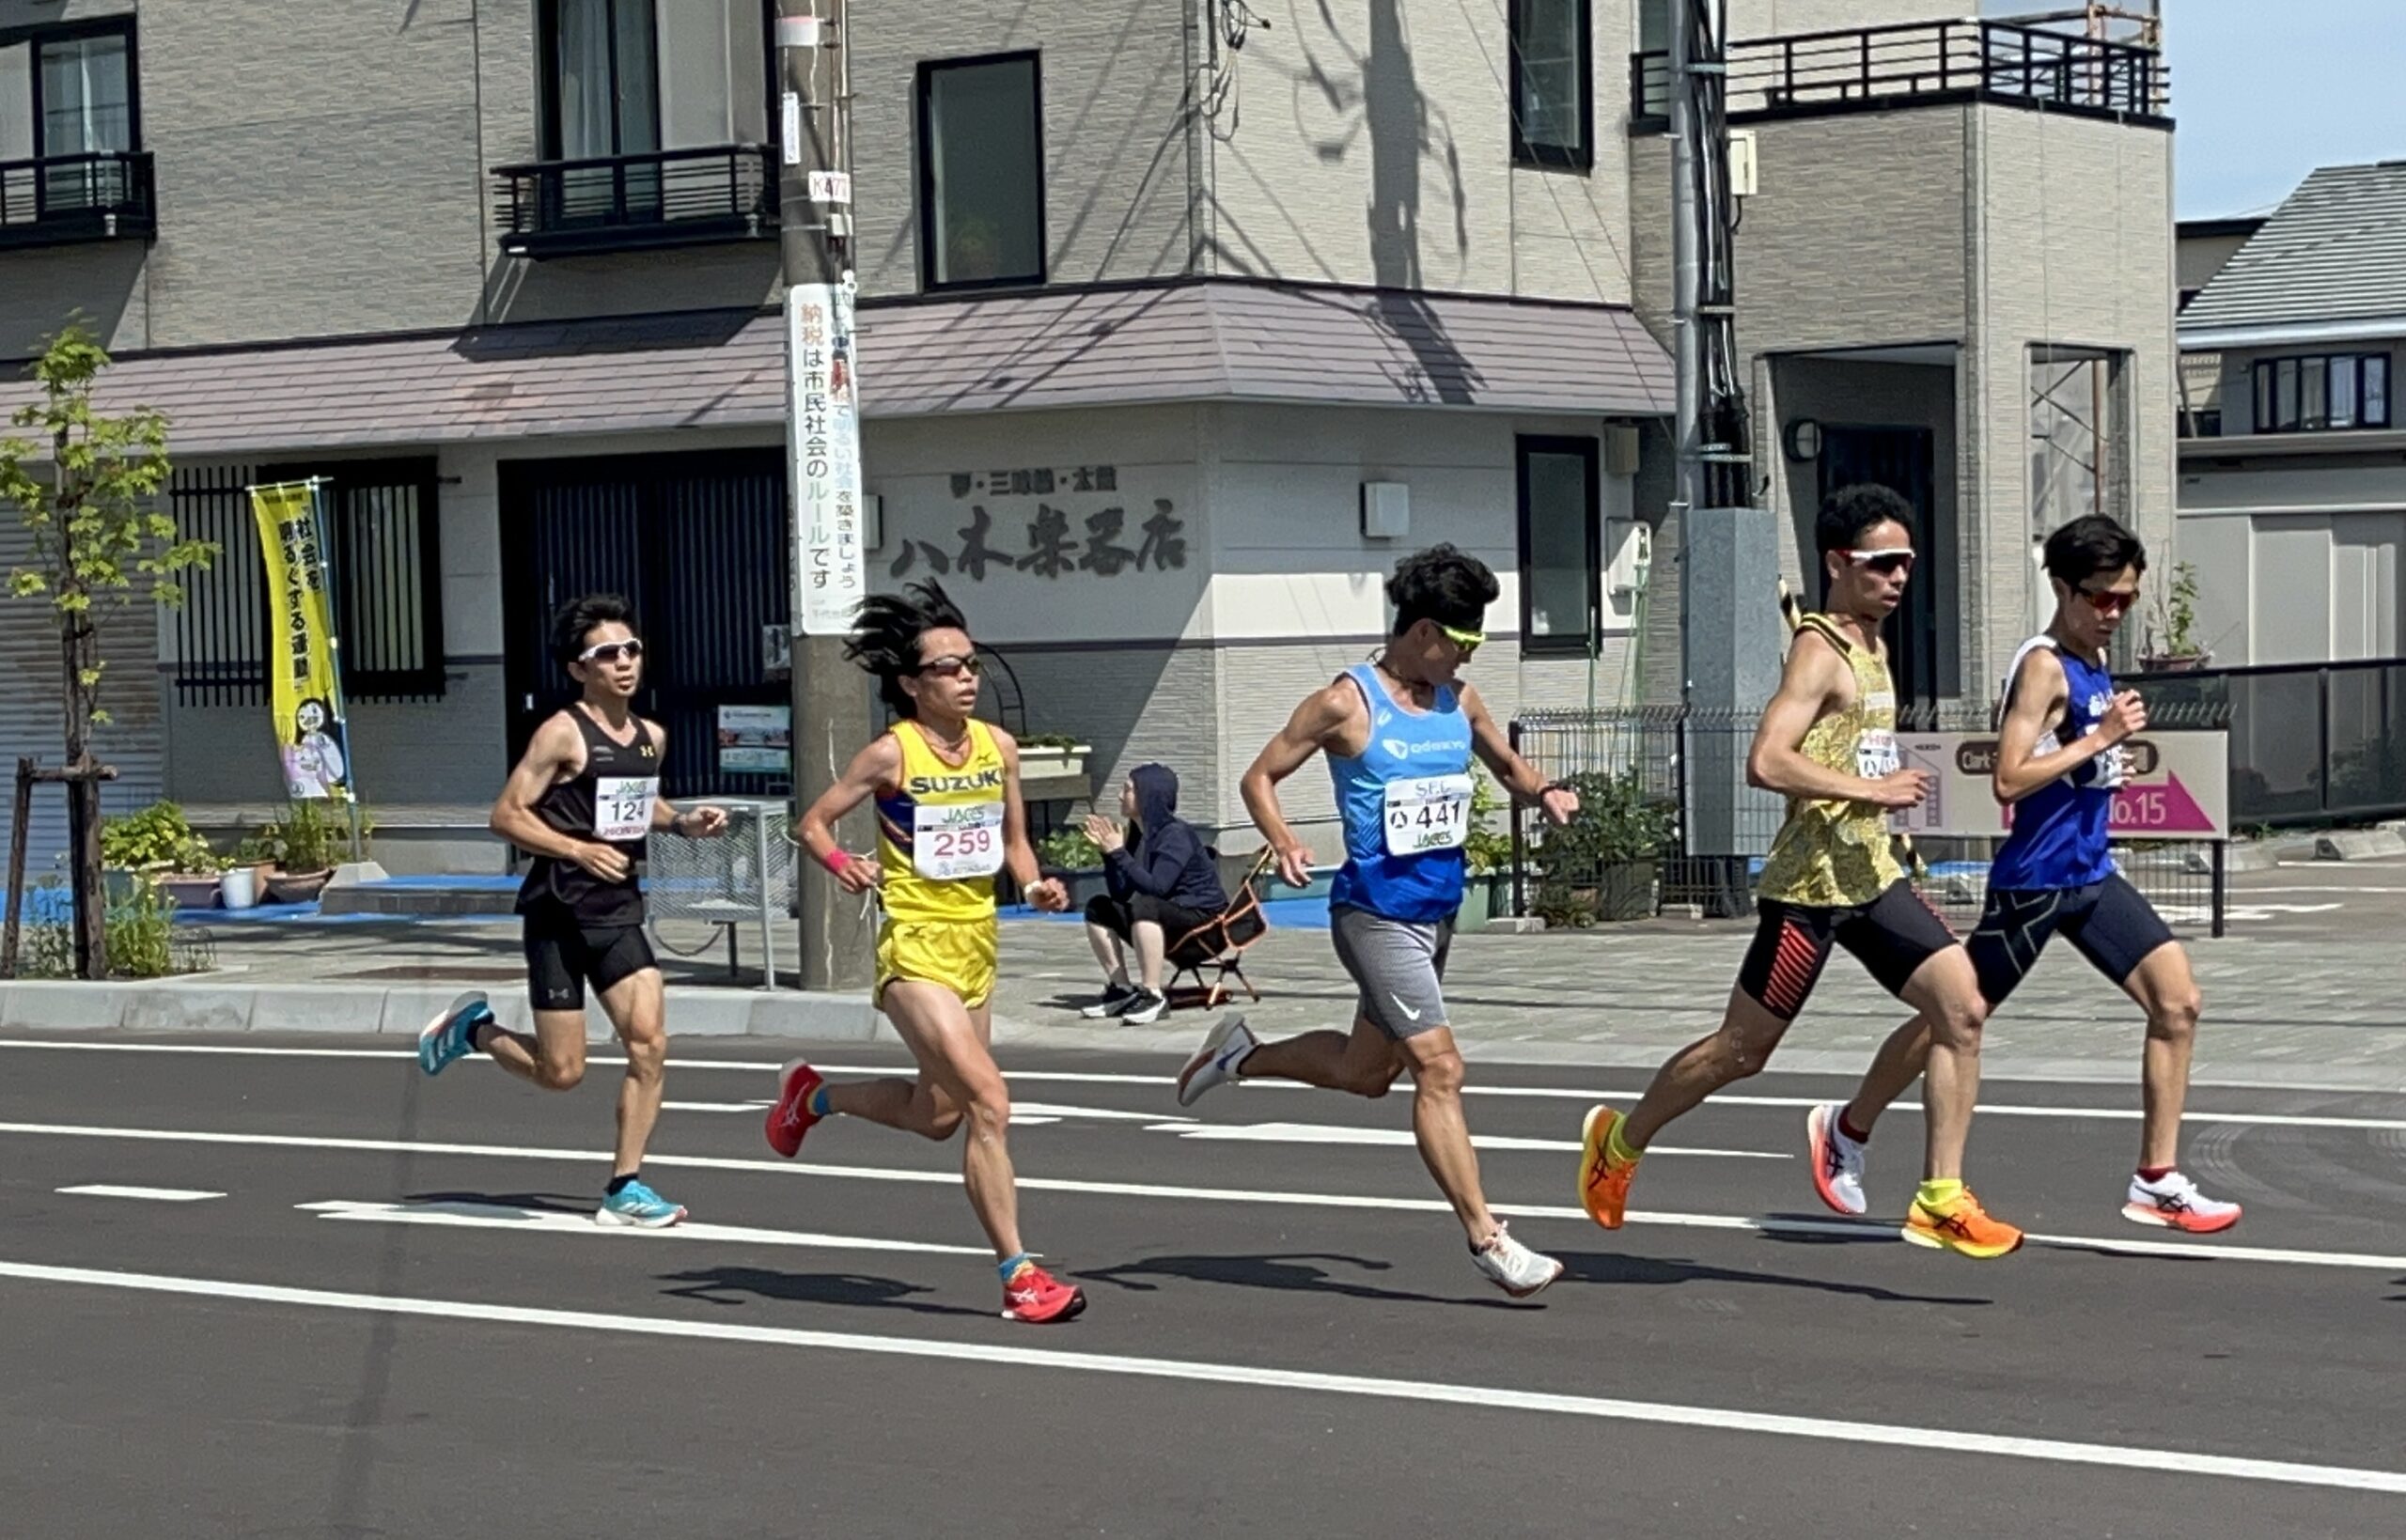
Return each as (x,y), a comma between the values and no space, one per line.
(452,1035)
(639,1207)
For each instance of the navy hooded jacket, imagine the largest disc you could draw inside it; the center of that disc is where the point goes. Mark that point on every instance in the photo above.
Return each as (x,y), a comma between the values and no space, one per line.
(1164,858)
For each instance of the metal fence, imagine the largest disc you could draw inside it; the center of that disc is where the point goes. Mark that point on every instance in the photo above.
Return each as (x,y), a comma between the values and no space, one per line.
(2309,742)
(1671,780)
(743,881)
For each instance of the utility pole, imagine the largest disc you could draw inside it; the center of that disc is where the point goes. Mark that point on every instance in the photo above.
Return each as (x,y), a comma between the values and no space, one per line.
(831,719)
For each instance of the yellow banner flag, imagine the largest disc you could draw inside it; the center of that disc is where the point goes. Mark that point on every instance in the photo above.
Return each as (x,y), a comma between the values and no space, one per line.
(306,688)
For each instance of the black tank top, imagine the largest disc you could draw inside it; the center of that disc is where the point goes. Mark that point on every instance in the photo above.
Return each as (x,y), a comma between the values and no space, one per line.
(609,800)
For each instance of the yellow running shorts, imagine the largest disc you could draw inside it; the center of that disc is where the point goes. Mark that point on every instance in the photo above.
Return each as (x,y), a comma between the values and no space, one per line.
(959,956)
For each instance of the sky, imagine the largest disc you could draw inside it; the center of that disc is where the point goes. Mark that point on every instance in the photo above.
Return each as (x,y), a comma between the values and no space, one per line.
(2265,90)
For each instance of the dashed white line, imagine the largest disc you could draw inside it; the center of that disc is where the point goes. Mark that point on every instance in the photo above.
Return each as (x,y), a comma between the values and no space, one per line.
(522,1221)
(154,1194)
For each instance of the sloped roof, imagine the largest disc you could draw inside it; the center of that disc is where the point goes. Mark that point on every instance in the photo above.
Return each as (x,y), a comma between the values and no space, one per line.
(2334,252)
(1053,349)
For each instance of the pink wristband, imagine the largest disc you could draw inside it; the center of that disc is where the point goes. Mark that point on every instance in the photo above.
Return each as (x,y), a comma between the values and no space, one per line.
(836,861)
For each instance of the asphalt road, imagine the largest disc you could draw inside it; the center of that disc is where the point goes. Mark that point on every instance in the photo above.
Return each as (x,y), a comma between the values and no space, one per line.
(393,1318)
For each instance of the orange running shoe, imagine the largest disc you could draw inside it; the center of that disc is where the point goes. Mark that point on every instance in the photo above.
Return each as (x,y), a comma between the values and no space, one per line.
(1603,1187)
(1962,1226)
(1034,1295)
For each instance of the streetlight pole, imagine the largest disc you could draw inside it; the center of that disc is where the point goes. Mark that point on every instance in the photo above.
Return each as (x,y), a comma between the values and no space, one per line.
(830,720)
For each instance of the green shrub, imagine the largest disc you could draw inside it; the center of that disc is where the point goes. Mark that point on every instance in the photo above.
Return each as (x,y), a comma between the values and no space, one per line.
(157,838)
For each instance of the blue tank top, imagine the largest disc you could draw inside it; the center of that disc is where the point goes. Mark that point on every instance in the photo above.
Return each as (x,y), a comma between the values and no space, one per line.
(1405,802)
(2061,834)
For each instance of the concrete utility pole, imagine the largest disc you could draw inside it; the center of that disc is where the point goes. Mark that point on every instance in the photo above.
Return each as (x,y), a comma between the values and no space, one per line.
(831,717)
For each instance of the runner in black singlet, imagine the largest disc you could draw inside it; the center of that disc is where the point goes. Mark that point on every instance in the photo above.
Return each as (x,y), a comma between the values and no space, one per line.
(584,803)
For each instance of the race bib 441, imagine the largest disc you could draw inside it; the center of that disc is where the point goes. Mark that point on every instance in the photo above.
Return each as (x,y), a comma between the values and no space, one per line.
(1430,814)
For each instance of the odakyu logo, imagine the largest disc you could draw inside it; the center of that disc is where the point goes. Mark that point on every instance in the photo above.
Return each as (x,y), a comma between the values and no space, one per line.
(1397,748)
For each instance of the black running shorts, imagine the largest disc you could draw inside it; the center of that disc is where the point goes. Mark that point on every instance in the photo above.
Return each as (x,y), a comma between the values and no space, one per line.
(2109,923)
(1892,936)
(563,957)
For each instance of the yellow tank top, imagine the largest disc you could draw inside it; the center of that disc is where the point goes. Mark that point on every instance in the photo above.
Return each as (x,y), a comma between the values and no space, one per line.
(940,833)
(1834,854)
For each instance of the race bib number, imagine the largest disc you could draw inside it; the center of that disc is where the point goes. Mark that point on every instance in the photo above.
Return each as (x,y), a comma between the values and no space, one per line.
(1428,815)
(2108,771)
(1875,754)
(622,807)
(956,843)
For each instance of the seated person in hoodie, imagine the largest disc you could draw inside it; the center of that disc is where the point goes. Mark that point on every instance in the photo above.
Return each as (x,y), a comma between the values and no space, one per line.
(1164,883)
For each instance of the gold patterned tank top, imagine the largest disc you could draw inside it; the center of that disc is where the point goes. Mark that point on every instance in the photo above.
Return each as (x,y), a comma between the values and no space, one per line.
(1835,854)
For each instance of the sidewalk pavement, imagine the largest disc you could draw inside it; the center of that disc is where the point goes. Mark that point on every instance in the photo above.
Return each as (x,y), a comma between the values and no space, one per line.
(2302,1011)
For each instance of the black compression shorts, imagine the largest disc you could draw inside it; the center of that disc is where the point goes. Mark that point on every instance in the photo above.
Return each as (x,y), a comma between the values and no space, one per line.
(563,957)
(1892,936)
(2109,923)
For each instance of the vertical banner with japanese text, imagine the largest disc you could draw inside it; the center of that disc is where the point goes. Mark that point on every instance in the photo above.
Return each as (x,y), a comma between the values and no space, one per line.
(303,680)
(825,467)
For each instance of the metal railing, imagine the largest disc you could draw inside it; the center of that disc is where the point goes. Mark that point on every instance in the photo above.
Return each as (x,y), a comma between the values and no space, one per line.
(62,198)
(2309,742)
(629,202)
(1868,69)
(1678,773)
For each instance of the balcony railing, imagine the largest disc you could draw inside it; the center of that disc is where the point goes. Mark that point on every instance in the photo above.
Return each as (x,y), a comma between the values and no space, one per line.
(61,199)
(677,197)
(1874,68)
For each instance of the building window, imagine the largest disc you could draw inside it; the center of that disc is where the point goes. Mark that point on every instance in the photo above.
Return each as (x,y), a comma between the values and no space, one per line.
(2321,393)
(982,172)
(68,102)
(1561,548)
(1553,83)
(382,548)
(637,77)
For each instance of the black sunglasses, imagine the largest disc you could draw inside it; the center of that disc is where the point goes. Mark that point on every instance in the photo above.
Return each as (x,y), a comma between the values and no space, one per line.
(947,668)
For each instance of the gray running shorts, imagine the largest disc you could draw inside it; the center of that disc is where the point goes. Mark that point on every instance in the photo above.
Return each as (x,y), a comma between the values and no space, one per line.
(1400,966)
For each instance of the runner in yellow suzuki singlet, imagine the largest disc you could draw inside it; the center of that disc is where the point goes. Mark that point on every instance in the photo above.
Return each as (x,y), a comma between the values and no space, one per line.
(939,843)
(1832,854)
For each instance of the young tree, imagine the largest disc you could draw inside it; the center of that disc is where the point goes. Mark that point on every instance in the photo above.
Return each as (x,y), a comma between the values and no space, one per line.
(87,494)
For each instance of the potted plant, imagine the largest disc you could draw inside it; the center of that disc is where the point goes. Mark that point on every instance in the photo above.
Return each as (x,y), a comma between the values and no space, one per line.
(1488,854)
(247,868)
(2172,644)
(1076,860)
(305,845)
(160,846)
(1605,864)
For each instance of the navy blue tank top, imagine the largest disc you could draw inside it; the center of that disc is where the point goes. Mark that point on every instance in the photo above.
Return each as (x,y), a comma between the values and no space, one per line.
(2061,832)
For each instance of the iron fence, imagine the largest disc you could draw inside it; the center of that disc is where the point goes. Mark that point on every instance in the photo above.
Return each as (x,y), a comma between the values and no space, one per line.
(2309,742)
(1679,832)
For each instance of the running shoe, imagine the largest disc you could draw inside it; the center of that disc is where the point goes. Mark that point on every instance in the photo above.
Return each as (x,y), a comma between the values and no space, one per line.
(1033,1296)
(1116,999)
(2176,1204)
(1837,1161)
(638,1206)
(1962,1226)
(1145,1009)
(1216,1060)
(452,1036)
(1512,1267)
(1603,1187)
(789,1116)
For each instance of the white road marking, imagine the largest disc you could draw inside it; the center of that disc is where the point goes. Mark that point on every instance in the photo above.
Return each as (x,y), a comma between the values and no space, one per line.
(467,1314)
(1550,1092)
(1021,1111)
(1859,1230)
(1332,1133)
(156,1195)
(554,1221)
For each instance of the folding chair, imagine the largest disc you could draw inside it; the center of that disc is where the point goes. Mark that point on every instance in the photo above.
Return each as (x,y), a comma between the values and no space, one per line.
(1220,943)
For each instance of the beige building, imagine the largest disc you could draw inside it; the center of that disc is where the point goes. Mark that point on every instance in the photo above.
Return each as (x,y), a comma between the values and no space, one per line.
(1181,322)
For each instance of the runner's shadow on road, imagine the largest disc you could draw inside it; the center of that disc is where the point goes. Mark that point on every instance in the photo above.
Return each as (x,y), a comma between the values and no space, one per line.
(728,1285)
(1652,1272)
(549,1202)
(1291,1272)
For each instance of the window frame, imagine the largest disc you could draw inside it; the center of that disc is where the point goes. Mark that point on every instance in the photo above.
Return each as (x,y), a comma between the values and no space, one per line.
(95,26)
(1527,151)
(923,103)
(1588,642)
(2265,378)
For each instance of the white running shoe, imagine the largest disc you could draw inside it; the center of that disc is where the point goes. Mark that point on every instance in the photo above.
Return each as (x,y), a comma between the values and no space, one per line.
(1837,1161)
(1513,1267)
(2176,1204)
(1216,1060)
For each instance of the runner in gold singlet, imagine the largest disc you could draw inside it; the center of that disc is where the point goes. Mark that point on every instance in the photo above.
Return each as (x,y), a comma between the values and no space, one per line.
(1828,743)
(948,818)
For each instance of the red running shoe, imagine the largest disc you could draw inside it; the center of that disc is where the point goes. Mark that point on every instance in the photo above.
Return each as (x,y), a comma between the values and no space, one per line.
(791,1117)
(1032,1295)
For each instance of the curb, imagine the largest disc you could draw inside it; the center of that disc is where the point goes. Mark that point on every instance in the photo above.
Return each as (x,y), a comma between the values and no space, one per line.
(208,1006)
